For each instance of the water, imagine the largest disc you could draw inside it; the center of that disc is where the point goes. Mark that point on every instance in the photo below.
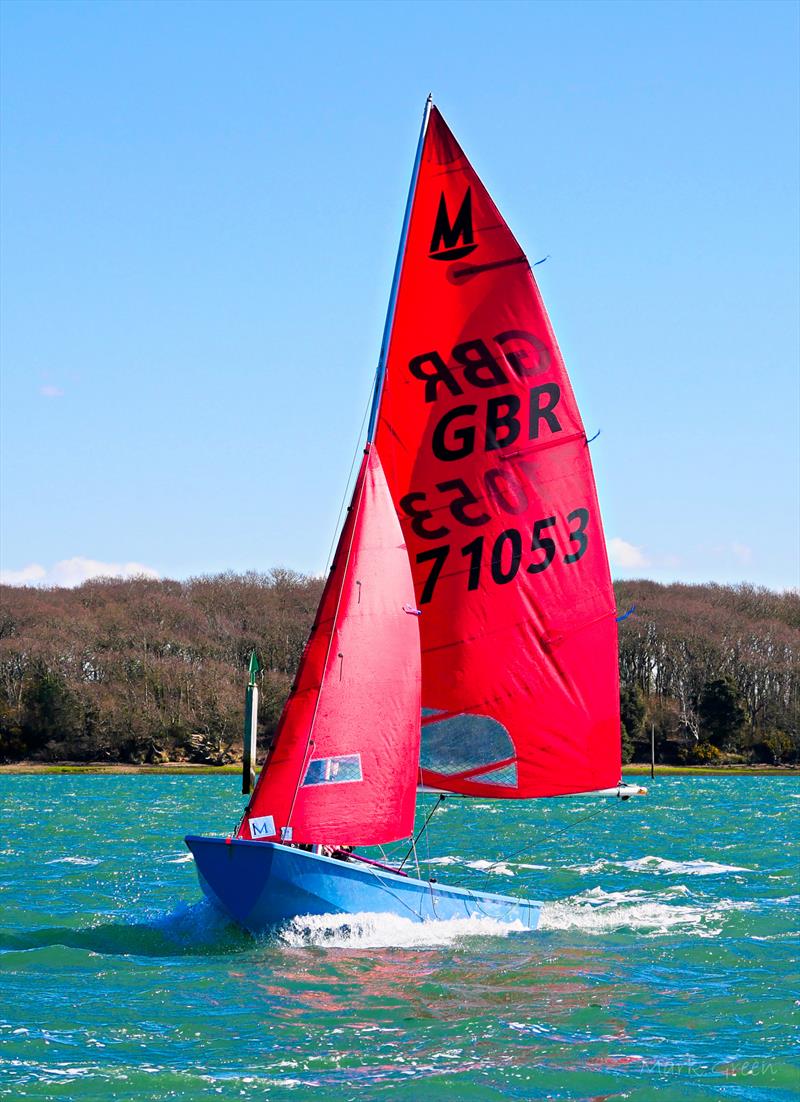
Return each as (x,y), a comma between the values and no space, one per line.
(666,965)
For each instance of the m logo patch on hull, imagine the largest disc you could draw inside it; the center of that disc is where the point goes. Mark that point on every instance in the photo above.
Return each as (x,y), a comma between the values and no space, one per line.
(262,827)
(451,241)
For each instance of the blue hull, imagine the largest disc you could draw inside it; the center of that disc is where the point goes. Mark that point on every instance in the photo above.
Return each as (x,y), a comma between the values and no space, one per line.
(263,885)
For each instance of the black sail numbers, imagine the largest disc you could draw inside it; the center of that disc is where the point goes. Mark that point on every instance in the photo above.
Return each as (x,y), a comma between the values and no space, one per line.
(515,424)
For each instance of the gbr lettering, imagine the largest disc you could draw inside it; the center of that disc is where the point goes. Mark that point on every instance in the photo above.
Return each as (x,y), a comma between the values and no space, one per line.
(519,355)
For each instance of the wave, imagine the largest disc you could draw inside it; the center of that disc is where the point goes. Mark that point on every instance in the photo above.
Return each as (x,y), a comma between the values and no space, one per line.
(187,930)
(498,868)
(600,912)
(368,930)
(74,861)
(662,865)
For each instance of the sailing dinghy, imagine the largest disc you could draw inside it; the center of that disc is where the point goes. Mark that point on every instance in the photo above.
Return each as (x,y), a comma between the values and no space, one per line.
(470,587)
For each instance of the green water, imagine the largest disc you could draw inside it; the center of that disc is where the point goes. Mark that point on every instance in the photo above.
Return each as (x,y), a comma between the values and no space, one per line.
(666,965)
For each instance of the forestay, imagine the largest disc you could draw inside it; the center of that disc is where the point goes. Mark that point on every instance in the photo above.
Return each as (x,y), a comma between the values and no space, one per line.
(488,464)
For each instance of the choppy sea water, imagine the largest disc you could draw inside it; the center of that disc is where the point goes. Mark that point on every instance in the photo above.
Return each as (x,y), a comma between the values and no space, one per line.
(666,965)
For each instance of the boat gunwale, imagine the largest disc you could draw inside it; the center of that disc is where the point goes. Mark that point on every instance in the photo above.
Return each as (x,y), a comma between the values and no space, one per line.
(428,885)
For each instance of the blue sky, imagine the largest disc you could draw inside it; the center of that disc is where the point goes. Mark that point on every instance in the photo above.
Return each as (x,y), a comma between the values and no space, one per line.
(200,209)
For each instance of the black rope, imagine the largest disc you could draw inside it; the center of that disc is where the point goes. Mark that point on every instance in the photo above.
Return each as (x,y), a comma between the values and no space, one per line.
(409,851)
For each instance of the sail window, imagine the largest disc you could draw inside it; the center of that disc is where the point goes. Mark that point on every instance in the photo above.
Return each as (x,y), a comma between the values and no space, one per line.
(463,743)
(339,770)
(507,776)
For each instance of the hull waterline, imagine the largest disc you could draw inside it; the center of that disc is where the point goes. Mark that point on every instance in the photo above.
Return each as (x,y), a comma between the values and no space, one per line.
(263,885)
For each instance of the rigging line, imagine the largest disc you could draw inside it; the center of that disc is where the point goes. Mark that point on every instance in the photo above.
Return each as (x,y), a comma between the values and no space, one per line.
(346,493)
(357,509)
(592,815)
(418,914)
(478,906)
(439,800)
(427,838)
(394,895)
(416,859)
(509,857)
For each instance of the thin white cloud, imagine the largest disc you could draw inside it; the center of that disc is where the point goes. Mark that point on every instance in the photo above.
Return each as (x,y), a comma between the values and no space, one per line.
(625,555)
(29,575)
(742,552)
(48,391)
(71,572)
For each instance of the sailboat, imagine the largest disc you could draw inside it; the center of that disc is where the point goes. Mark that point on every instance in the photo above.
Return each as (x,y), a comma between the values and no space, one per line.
(466,638)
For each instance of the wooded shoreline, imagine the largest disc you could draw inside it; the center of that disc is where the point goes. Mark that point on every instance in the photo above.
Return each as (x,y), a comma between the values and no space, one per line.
(146,672)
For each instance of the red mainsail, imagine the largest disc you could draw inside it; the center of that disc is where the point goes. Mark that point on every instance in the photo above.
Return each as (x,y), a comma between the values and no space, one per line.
(487,462)
(344,765)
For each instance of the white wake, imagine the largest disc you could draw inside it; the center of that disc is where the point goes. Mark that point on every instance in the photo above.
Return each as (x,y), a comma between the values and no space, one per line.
(368,930)
(600,912)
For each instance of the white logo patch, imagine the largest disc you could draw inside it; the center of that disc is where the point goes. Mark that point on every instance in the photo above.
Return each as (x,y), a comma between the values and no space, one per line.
(262,827)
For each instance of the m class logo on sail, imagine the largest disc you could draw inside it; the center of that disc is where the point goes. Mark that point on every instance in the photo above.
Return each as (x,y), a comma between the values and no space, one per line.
(453,240)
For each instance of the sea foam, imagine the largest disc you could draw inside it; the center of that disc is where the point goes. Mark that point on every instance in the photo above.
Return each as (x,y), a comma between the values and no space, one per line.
(600,912)
(662,865)
(368,930)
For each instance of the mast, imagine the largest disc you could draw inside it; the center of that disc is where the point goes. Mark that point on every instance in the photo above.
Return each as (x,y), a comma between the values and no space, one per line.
(380,372)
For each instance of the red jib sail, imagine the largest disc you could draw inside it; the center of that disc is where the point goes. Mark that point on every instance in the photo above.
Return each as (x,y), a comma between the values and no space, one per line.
(344,765)
(488,464)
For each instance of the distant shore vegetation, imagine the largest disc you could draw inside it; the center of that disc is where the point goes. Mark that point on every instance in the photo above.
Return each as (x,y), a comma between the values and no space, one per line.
(147,671)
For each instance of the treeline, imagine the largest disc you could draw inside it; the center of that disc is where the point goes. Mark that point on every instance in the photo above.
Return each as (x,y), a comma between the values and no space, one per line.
(712,670)
(149,671)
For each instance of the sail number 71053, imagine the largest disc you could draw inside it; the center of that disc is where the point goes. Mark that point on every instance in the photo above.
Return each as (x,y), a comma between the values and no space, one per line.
(504,558)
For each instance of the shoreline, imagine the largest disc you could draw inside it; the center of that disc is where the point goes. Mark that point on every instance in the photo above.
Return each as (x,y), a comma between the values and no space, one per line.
(176,768)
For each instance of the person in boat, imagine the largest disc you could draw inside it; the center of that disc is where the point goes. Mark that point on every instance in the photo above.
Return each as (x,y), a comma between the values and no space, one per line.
(340,853)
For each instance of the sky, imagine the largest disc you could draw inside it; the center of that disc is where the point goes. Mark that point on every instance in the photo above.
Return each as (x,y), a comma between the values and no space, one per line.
(201,204)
